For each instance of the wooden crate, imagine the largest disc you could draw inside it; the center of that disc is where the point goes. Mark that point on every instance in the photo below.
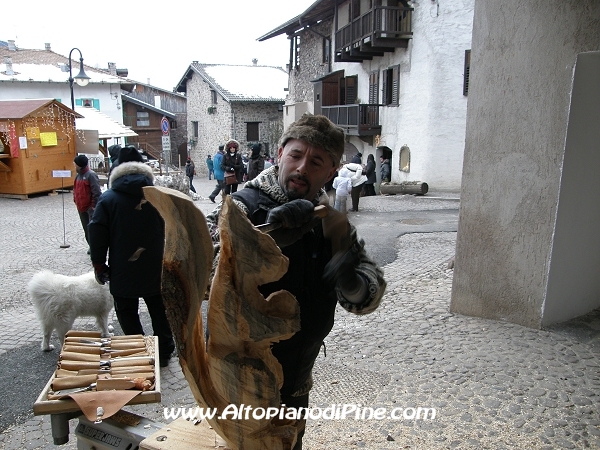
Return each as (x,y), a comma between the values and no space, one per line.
(44,406)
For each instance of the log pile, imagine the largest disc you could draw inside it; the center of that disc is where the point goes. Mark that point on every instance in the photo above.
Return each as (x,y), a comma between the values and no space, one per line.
(236,367)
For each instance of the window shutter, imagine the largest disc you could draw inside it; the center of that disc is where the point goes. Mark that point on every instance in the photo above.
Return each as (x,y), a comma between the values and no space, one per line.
(373,88)
(78,102)
(351,83)
(385,99)
(395,85)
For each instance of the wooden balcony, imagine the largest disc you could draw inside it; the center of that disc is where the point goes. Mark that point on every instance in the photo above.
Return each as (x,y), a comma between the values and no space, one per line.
(356,120)
(382,29)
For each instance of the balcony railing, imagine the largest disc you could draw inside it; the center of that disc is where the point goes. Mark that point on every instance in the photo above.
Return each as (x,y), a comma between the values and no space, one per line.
(381,29)
(356,120)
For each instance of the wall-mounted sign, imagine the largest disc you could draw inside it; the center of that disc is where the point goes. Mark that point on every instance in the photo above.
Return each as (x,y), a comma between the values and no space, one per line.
(61,174)
(48,139)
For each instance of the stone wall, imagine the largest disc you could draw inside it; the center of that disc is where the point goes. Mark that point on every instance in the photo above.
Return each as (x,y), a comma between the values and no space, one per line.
(226,121)
(311,63)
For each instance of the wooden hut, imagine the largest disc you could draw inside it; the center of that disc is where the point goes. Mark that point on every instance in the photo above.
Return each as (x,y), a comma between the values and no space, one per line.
(37,138)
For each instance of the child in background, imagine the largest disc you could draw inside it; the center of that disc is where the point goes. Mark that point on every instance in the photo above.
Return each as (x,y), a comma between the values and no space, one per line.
(342,185)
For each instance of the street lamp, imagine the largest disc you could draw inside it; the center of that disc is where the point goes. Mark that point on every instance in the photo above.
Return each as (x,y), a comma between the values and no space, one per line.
(81,79)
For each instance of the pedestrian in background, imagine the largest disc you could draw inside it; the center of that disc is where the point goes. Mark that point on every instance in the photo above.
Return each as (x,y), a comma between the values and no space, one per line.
(113,151)
(210,166)
(219,174)
(232,165)
(343,186)
(257,163)
(132,233)
(385,170)
(86,192)
(358,179)
(190,171)
(357,159)
(369,186)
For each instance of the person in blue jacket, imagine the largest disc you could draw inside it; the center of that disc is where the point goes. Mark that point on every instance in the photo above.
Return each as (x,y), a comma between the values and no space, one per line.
(132,233)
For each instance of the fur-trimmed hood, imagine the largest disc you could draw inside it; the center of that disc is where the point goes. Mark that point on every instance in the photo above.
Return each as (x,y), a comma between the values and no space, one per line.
(231,141)
(131,175)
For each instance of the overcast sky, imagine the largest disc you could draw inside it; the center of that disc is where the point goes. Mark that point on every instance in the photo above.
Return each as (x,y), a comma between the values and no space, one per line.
(154,40)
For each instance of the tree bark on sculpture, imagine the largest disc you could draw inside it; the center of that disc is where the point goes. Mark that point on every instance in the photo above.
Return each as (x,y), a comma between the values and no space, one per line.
(237,367)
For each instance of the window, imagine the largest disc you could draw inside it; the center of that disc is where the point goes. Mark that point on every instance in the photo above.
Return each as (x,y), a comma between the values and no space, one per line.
(467,70)
(326,50)
(143,119)
(405,159)
(252,131)
(88,102)
(213,95)
(391,86)
(296,50)
(195,128)
(374,88)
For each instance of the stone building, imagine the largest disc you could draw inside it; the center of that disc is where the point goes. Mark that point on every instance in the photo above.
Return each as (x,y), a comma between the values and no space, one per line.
(393,74)
(143,109)
(242,102)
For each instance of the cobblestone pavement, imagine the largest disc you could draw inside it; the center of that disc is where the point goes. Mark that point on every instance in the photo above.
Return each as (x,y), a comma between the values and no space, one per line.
(493,385)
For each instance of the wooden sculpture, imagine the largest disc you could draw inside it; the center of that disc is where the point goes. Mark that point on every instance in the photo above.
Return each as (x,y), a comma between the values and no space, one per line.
(237,367)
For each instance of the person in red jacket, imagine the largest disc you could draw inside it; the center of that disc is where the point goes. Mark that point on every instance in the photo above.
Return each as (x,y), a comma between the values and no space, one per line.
(86,191)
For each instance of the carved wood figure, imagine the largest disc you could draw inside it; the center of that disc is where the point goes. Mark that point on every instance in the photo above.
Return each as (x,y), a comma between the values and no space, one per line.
(237,366)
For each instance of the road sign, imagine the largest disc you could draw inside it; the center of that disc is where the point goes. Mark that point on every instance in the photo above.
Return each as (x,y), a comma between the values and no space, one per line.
(164,126)
(166,143)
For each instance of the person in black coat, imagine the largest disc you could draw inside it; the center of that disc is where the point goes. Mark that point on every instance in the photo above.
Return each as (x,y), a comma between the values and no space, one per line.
(369,186)
(132,232)
(257,163)
(357,159)
(232,163)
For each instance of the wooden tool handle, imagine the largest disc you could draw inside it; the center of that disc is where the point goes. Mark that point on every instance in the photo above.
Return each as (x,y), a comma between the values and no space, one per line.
(78,365)
(73,382)
(320,211)
(125,362)
(126,345)
(73,356)
(91,349)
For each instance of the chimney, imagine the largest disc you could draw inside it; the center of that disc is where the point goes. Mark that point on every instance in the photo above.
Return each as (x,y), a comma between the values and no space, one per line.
(11,46)
(9,69)
(255,61)
(48,49)
(112,68)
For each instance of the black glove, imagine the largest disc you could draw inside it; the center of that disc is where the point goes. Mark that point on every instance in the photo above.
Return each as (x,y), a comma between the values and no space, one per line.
(296,219)
(102,273)
(341,271)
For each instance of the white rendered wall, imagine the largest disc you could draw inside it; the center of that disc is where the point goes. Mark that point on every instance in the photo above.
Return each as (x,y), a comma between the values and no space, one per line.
(522,64)
(16,90)
(574,277)
(431,117)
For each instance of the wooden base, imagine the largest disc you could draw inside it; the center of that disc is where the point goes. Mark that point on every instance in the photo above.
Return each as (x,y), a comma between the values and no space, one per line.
(182,434)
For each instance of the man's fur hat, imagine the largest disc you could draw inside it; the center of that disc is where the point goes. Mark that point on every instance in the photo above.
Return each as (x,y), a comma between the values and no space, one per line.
(317,131)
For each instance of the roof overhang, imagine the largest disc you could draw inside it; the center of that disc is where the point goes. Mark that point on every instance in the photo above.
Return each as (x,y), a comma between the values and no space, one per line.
(135,101)
(319,10)
(92,119)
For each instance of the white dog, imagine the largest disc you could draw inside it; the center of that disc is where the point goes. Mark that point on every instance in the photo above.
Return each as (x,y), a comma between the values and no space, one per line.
(60,299)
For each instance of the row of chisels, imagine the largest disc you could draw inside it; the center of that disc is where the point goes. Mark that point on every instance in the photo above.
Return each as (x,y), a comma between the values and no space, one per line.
(88,362)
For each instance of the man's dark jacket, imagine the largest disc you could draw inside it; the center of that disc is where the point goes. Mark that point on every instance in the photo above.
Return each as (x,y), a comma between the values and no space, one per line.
(131,231)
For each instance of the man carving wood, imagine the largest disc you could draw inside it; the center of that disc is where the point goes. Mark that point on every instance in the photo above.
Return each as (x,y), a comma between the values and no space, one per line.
(327,261)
